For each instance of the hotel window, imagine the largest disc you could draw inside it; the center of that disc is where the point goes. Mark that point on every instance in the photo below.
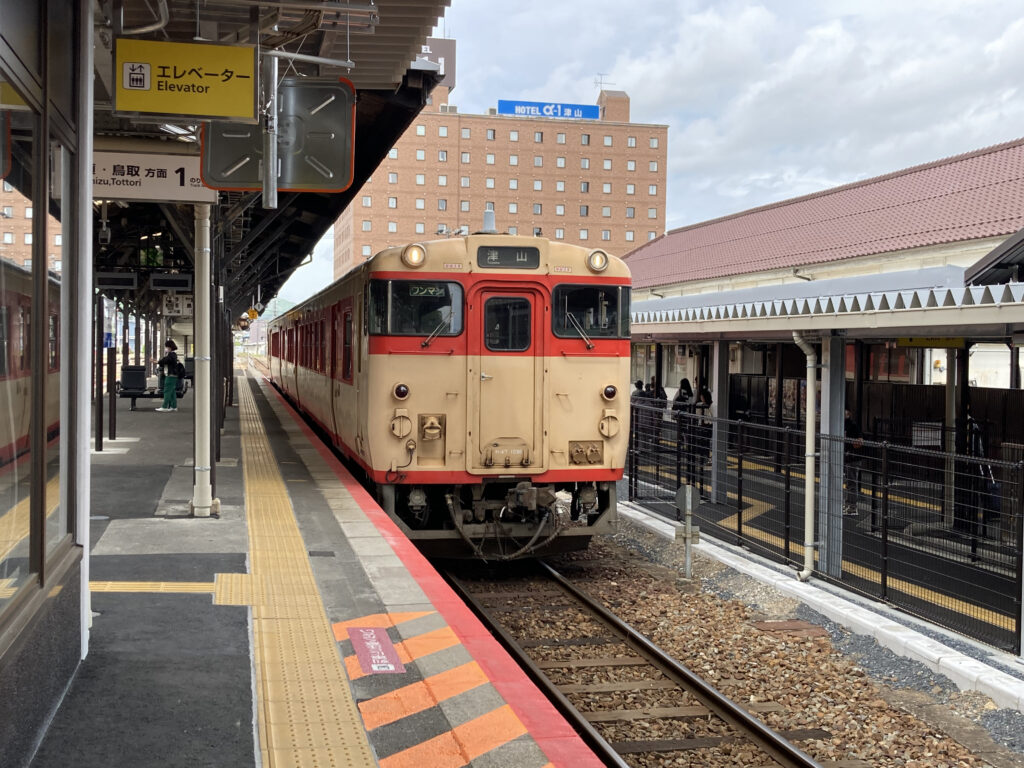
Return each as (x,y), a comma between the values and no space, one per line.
(420,227)
(464,157)
(585,138)
(537,232)
(8,212)
(631,141)
(584,162)
(392,178)
(652,213)
(607,141)
(584,234)
(489,183)
(513,183)
(8,187)
(393,153)
(631,165)
(489,159)
(538,137)
(629,235)
(584,186)
(606,188)
(392,202)
(513,207)
(421,130)
(8,237)
(367,226)
(606,234)
(651,235)
(421,179)
(631,189)
(537,209)
(464,181)
(28,238)
(421,154)
(464,206)
(513,230)
(652,189)
(442,155)
(442,204)
(560,162)
(513,159)
(28,213)
(442,130)
(538,185)
(513,135)
(559,210)
(559,138)
(654,143)
(465,133)
(367,201)
(490,134)
(367,251)
(421,204)
(584,210)
(442,180)
(559,234)
(607,165)
(538,161)
(392,226)
(559,186)
(653,166)
(606,211)
(630,213)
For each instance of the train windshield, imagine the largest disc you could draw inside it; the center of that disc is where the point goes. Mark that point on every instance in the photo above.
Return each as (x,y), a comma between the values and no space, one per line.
(426,308)
(590,311)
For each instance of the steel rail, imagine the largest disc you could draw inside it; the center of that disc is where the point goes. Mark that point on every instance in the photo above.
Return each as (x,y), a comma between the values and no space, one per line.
(772,743)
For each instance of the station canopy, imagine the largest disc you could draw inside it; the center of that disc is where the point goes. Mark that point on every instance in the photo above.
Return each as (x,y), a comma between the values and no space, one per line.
(376,46)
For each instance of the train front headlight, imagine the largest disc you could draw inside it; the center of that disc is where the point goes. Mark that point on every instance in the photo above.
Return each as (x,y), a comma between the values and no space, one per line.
(414,255)
(597,260)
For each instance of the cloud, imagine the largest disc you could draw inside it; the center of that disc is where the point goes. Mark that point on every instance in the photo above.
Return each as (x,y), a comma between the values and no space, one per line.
(765,101)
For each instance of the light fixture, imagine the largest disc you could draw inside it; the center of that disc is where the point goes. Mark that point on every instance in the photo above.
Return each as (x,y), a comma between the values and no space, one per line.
(414,255)
(597,260)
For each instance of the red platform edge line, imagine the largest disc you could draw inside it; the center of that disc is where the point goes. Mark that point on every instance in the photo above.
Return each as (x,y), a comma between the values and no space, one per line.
(562,745)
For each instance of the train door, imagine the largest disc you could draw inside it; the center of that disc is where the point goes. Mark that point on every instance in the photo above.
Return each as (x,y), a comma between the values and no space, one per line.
(506,381)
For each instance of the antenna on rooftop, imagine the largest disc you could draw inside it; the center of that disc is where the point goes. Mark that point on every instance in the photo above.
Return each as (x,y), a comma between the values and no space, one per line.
(600,82)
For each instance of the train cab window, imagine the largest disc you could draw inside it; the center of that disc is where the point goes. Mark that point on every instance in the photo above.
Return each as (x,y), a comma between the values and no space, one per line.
(507,324)
(591,311)
(415,308)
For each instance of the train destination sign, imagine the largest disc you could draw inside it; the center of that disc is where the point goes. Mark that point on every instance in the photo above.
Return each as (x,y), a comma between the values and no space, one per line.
(508,257)
(206,80)
(549,109)
(139,176)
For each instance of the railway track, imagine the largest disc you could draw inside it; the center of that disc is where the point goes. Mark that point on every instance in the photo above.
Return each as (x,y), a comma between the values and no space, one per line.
(592,665)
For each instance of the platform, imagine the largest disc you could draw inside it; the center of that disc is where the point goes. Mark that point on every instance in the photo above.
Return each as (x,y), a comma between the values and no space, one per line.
(298,628)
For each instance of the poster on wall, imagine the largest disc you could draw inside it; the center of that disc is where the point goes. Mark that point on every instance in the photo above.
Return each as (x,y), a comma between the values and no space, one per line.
(773,392)
(789,399)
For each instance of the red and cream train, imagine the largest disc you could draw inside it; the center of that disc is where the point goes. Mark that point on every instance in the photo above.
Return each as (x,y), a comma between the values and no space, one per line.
(481,383)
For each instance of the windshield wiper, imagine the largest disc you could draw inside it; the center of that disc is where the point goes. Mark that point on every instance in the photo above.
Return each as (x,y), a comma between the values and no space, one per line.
(579,329)
(433,334)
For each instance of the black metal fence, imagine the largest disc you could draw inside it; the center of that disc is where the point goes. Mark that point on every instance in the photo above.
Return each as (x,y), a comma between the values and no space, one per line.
(937,534)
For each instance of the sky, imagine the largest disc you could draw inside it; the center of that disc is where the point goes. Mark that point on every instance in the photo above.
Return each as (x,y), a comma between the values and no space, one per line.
(764,101)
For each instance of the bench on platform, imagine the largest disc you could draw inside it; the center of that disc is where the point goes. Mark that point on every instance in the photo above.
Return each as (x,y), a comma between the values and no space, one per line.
(133,385)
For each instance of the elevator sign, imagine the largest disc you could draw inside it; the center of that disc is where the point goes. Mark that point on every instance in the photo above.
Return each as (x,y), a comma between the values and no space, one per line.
(203,80)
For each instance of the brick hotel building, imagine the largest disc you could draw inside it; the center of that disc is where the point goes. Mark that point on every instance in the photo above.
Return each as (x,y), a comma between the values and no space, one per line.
(597,183)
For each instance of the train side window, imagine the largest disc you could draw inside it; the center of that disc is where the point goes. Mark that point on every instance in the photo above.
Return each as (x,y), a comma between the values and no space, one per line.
(24,339)
(346,348)
(378,301)
(290,346)
(321,357)
(507,324)
(624,298)
(54,350)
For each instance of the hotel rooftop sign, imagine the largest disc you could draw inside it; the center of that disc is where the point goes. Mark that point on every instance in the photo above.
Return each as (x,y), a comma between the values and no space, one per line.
(549,109)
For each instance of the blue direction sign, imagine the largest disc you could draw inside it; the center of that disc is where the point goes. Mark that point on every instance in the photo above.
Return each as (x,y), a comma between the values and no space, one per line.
(548,109)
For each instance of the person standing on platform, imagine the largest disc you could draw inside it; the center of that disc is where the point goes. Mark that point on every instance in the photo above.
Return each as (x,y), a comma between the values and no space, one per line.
(169,365)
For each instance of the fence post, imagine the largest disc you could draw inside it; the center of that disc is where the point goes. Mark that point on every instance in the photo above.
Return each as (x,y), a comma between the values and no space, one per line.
(787,499)
(679,447)
(1018,522)
(739,482)
(632,452)
(885,521)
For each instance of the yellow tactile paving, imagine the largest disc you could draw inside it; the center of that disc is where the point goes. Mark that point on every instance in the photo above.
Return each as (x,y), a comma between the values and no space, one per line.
(171,587)
(305,709)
